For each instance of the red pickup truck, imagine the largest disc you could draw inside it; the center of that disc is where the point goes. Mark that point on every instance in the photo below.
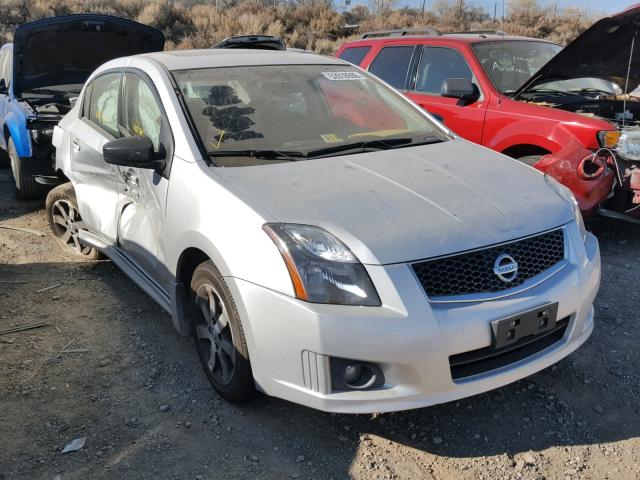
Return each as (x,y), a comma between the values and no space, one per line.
(567,112)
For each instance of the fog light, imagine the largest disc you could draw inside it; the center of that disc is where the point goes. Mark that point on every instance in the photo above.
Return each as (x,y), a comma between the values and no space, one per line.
(355,375)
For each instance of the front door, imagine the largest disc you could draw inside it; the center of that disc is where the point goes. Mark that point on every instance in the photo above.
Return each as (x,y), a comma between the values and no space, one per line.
(143,192)
(436,65)
(93,178)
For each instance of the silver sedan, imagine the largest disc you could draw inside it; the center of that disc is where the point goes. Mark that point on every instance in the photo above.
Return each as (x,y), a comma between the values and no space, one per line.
(323,239)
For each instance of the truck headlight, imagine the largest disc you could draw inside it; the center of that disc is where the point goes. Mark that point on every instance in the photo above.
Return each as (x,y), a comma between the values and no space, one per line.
(322,268)
(566,194)
(629,145)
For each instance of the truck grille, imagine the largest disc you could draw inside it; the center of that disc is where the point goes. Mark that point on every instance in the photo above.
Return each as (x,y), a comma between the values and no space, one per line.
(472,272)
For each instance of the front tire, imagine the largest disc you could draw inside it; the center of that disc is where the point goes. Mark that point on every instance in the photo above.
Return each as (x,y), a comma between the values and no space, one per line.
(219,337)
(26,186)
(65,221)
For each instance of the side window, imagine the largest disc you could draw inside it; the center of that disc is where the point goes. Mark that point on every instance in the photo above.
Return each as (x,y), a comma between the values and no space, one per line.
(438,64)
(86,100)
(142,114)
(103,106)
(392,65)
(354,55)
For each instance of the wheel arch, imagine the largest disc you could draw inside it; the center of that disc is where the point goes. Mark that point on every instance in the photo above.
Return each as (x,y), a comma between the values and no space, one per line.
(15,129)
(525,149)
(195,251)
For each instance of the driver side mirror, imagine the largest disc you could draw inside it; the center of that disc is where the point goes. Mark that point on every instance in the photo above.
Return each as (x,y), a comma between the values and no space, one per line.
(4,90)
(461,88)
(136,152)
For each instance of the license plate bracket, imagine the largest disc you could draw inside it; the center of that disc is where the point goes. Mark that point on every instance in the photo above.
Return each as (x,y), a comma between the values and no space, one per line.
(508,331)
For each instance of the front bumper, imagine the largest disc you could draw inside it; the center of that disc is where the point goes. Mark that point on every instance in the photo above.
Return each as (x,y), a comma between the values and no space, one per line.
(290,341)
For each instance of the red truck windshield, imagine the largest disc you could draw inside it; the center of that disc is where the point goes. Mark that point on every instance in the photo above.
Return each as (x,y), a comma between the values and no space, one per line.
(510,63)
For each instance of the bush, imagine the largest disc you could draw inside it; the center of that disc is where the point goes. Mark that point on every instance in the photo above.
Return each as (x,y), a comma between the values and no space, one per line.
(311,24)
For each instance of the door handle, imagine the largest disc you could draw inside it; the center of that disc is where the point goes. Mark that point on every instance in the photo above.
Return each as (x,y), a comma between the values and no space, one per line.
(76,146)
(131,179)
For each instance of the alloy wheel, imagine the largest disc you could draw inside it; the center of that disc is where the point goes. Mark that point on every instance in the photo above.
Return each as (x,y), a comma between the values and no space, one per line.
(215,338)
(68,224)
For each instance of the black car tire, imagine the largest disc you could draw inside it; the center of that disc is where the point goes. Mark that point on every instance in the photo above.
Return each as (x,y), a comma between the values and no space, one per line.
(65,221)
(4,159)
(26,186)
(220,336)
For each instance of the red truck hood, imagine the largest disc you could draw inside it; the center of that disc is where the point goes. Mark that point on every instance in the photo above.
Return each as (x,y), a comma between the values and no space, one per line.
(602,51)
(66,50)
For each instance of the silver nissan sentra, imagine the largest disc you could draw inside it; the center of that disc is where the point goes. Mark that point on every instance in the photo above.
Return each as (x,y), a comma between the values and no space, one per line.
(323,239)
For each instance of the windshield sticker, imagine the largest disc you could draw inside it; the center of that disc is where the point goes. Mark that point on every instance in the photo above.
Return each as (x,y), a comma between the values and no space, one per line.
(330,138)
(343,76)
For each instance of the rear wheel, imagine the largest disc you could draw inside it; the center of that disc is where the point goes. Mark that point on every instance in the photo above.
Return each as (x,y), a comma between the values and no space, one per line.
(26,186)
(219,336)
(66,223)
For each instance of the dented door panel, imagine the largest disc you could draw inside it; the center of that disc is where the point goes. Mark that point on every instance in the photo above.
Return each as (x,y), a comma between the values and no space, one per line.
(141,233)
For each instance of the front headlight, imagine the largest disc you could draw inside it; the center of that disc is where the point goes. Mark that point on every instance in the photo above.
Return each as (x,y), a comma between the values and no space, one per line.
(568,196)
(608,138)
(629,145)
(322,268)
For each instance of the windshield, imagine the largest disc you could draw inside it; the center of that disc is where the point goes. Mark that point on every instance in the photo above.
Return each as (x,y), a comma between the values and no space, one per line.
(297,111)
(510,63)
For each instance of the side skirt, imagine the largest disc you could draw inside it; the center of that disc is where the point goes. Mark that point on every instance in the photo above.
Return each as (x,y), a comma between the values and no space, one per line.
(125,264)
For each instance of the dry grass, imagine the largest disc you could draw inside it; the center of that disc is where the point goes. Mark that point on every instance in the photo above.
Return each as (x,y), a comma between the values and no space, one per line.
(310,24)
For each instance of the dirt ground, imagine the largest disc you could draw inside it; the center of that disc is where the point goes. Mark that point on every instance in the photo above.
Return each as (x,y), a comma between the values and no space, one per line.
(135,389)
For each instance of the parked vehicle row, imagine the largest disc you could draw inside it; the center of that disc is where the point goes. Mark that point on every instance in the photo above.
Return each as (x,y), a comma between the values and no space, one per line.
(565,111)
(321,237)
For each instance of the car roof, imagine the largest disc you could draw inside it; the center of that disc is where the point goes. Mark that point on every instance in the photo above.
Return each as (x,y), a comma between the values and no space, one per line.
(461,38)
(211,58)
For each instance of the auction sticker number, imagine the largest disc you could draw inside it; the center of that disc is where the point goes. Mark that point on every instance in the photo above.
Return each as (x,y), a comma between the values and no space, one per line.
(343,76)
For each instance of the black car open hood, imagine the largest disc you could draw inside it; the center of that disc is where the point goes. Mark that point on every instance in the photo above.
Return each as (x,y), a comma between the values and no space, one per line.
(65,50)
(602,51)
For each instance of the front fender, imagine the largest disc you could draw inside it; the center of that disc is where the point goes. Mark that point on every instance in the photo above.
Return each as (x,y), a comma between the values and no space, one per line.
(16,123)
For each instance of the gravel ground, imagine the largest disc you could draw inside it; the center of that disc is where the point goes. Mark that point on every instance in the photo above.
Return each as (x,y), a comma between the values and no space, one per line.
(134,388)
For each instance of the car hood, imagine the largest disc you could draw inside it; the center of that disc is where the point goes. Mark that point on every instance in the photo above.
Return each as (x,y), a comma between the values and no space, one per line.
(407,204)
(602,51)
(66,50)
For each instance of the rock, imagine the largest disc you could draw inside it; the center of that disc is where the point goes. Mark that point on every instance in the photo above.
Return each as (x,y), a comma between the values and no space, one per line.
(253,458)
(295,475)
(519,465)
(437,440)
(164,408)
(300,458)
(187,424)
(598,409)
(529,459)
(104,362)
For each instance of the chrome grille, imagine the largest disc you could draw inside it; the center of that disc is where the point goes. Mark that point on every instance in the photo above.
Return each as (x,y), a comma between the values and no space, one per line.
(472,272)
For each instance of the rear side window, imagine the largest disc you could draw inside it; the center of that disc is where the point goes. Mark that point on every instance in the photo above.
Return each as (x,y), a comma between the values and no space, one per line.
(438,64)
(354,55)
(103,108)
(392,65)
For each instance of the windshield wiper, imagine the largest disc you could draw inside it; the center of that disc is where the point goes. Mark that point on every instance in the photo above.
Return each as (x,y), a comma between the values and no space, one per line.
(259,154)
(378,144)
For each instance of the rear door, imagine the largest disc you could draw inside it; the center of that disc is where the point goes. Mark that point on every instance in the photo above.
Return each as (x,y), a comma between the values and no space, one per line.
(94,179)
(435,65)
(143,192)
(392,64)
